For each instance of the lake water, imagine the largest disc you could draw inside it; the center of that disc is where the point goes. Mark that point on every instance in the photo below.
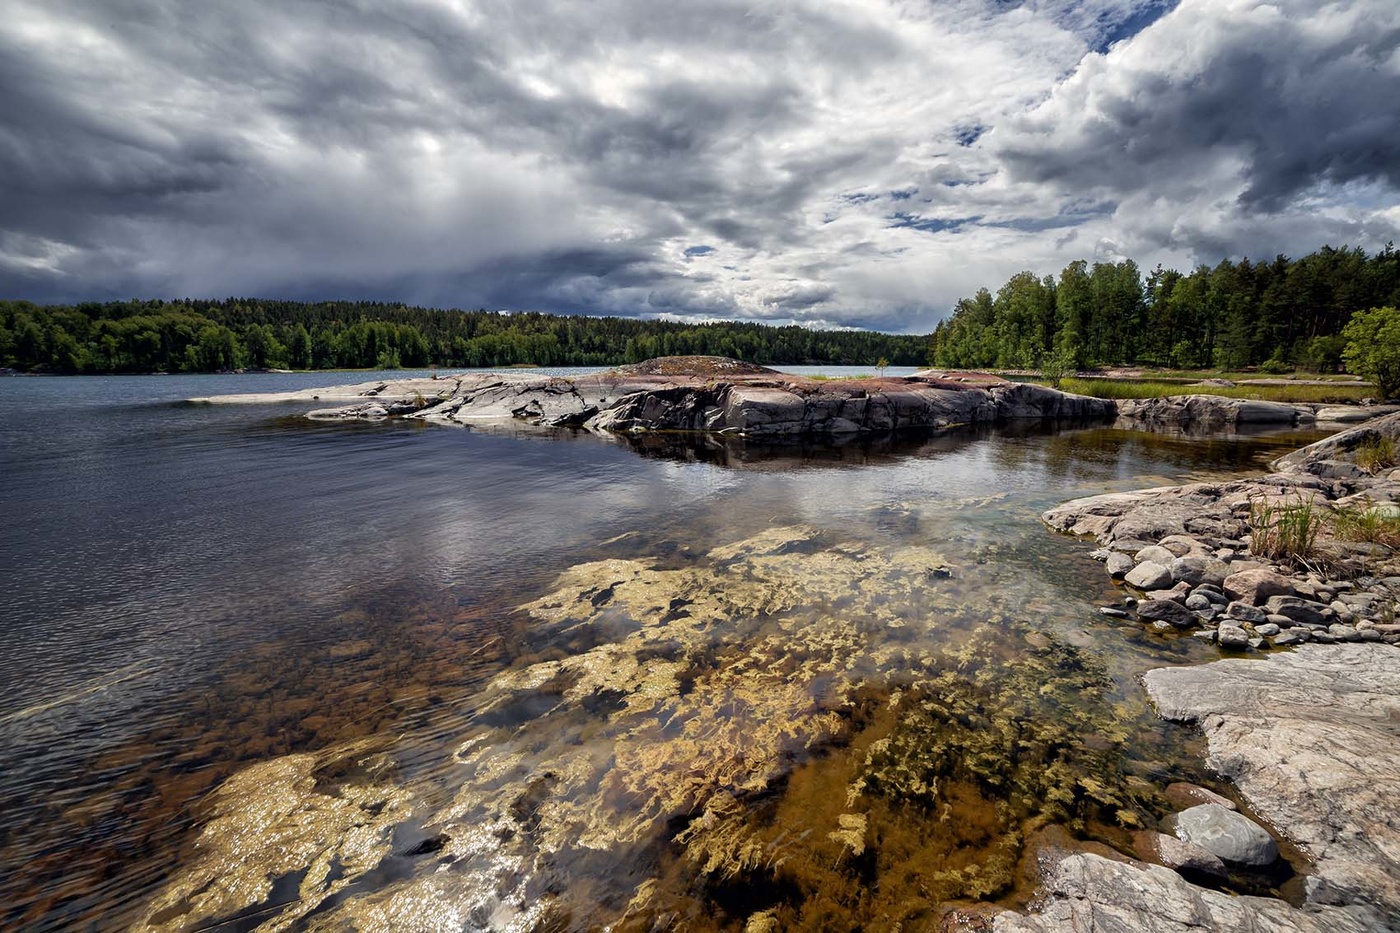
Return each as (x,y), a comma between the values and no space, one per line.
(807,685)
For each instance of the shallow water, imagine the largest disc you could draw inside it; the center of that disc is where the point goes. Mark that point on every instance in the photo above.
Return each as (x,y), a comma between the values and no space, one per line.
(190,590)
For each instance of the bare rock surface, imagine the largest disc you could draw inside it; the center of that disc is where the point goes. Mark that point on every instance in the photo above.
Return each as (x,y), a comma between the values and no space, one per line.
(1086,893)
(1309,737)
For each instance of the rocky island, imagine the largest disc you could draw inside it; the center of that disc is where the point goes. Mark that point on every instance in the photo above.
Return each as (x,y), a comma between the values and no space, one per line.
(712,394)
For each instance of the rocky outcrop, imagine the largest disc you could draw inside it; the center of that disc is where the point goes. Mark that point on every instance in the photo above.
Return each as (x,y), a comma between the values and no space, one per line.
(1320,458)
(1214,410)
(707,394)
(1087,893)
(1308,737)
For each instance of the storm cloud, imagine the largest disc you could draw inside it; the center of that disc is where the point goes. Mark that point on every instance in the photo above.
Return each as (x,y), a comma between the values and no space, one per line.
(856,163)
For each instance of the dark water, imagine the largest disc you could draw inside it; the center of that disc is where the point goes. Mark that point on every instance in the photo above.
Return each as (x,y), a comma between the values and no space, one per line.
(190,589)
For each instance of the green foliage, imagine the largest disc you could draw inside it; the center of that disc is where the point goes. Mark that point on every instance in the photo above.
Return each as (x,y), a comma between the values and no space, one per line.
(214,336)
(1283,532)
(1056,365)
(1373,348)
(1275,315)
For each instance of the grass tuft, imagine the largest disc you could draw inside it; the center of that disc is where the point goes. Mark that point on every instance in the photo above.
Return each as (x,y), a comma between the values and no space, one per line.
(1376,454)
(1285,532)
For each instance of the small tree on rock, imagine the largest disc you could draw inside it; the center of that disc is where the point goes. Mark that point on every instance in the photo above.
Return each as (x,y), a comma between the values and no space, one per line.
(1373,348)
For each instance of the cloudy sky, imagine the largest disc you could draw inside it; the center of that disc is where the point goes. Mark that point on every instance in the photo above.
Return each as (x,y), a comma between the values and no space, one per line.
(831,162)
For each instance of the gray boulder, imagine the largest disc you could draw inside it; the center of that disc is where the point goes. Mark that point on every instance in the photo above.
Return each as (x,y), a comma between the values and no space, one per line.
(1227,834)
(1244,612)
(1118,564)
(1301,611)
(1167,610)
(1199,570)
(1229,635)
(1149,575)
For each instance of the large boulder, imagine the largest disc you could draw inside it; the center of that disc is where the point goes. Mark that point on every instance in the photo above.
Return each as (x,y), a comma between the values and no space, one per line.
(1227,834)
(1255,587)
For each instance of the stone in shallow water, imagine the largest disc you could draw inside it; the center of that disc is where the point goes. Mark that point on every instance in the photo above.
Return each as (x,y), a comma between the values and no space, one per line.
(1166,610)
(1233,837)
(1149,575)
(1232,636)
(1119,564)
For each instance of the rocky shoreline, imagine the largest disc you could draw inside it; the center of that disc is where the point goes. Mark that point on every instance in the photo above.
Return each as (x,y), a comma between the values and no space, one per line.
(1308,736)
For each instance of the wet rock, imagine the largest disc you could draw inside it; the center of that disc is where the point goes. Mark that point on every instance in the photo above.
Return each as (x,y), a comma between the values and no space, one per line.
(1113,612)
(1230,835)
(1290,637)
(1308,737)
(1255,587)
(1183,795)
(1087,893)
(1118,564)
(1149,575)
(1168,611)
(1231,636)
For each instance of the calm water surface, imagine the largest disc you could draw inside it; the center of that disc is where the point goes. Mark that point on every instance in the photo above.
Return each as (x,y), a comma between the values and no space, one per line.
(192,589)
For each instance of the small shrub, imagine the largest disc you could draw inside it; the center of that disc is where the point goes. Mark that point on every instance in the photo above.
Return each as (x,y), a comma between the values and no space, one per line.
(1283,532)
(1375,454)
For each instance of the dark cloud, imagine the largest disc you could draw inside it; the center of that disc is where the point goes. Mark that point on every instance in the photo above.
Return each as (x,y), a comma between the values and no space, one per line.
(1283,98)
(716,158)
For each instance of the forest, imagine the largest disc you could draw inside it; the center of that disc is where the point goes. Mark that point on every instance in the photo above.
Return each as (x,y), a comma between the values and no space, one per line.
(1277,316)
(219,336)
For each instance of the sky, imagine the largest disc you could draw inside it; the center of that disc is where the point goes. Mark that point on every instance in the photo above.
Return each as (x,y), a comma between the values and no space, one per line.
(833,163)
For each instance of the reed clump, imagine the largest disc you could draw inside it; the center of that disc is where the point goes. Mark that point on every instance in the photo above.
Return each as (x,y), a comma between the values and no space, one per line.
(1284,531)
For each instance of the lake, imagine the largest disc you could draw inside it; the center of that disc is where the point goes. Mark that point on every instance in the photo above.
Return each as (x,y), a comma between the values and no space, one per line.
(807,684)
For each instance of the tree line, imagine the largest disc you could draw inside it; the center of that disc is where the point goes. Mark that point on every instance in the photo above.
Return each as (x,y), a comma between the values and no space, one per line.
(237,333)
(1277,315)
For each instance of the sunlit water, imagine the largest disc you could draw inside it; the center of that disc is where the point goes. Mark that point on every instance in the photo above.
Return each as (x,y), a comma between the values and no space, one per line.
(188,590)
